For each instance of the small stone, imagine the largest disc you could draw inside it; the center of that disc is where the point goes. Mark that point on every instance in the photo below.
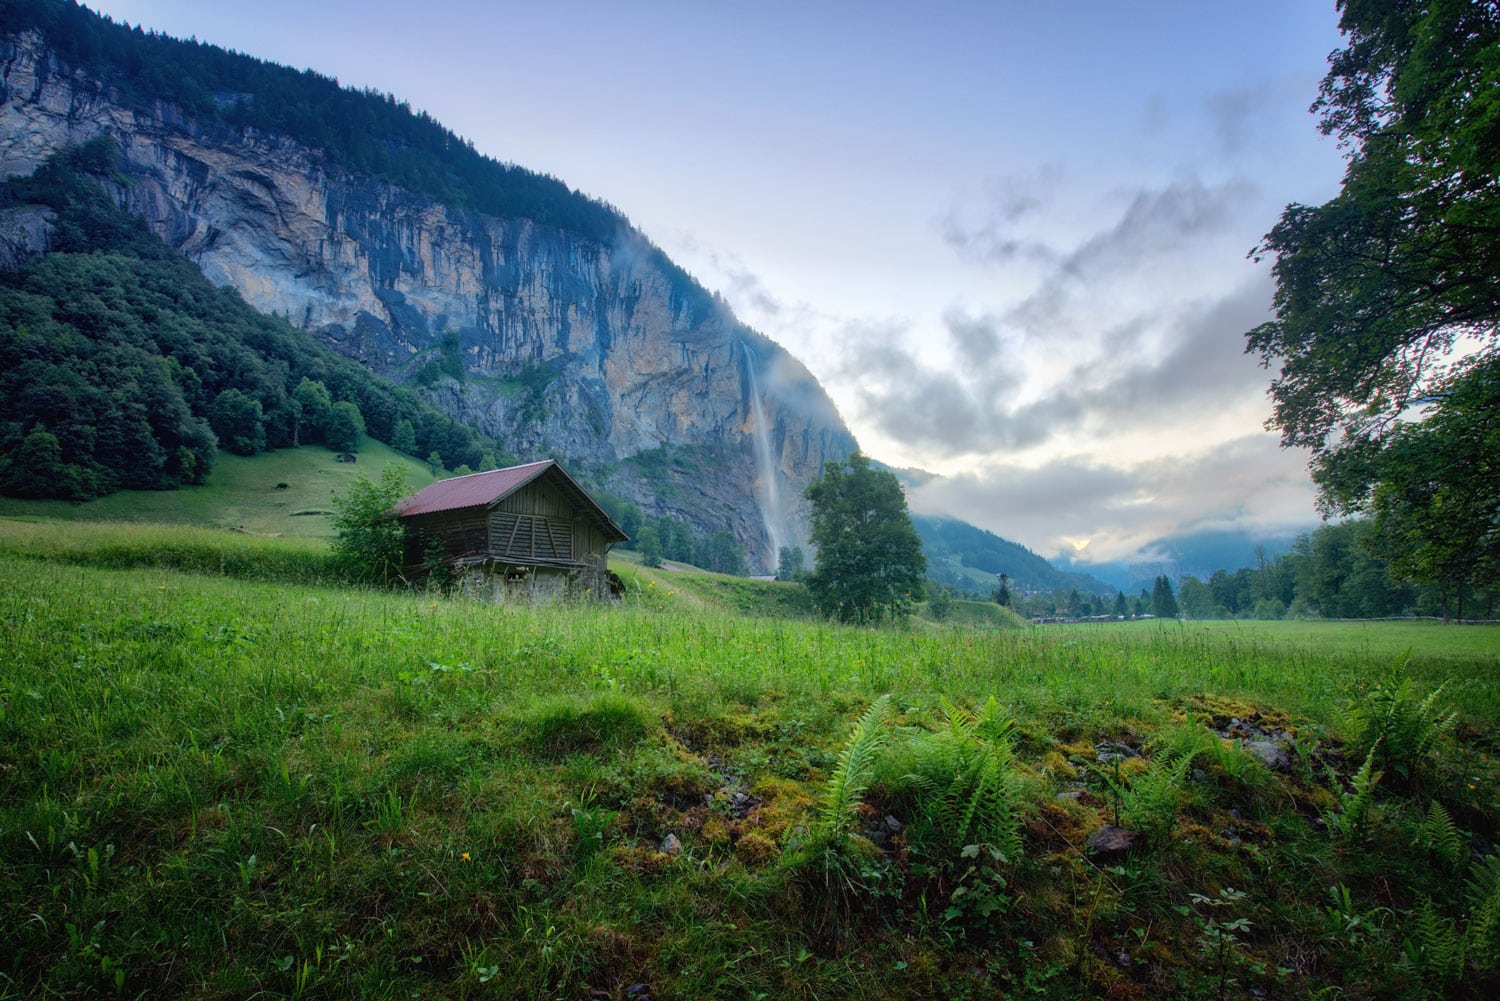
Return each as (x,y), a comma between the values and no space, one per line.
(671,845)
(1109,752)
(1071,796)
(893,825)
(1270,754)
(1110,843)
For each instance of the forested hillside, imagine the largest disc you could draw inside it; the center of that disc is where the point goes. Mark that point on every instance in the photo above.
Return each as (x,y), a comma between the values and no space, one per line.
(362,131)
(125,368)
(970,558)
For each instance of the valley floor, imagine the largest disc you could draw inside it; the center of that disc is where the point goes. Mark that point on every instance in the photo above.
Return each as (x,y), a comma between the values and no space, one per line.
(222,786)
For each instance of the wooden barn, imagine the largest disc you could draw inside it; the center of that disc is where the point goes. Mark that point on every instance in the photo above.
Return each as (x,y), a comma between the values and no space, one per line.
(521,532)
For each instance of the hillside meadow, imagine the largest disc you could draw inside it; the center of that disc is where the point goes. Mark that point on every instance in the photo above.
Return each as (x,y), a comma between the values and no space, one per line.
(222,778)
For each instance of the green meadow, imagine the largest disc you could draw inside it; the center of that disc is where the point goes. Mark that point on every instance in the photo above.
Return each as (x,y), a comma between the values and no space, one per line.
(225,775)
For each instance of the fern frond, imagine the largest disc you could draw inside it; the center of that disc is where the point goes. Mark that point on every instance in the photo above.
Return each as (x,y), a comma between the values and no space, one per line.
(1435,948)
(1350,823)
(847,784)
(994,723)
(1439,835)
(1484,913)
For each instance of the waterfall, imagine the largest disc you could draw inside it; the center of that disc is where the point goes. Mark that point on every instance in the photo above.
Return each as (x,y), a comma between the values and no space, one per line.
(770,494)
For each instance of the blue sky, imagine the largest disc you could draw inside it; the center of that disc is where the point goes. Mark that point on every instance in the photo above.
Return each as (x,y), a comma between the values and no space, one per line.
(1010,238)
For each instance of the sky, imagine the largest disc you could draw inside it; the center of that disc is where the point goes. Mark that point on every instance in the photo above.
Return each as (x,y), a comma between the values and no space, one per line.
(1010,239)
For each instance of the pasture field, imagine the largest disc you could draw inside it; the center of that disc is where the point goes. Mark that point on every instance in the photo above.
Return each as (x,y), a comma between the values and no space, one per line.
(235,786)
(288,492)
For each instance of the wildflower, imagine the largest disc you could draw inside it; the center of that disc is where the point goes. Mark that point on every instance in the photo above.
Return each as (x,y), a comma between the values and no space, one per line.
(464,857)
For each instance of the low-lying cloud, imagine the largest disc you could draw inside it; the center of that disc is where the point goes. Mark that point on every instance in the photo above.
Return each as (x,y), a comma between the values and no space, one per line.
(1249,483)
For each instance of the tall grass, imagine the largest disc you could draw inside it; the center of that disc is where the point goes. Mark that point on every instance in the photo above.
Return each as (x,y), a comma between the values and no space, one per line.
(172,547)
(218,780)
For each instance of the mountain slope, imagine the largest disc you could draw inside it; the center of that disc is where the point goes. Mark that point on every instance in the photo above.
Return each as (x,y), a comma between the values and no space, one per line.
(532,314)
(971,558)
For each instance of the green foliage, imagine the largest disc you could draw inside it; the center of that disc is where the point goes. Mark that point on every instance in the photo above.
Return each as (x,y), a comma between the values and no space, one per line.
(965,783)
(392,776)
(239,422)
(856,764)
(1435,948)
(791,564)
(1439,835)
(371,541)
(648,543)
(311,404)
(346,426)
(404,437)
(125,354)
(1402,729)
(1220,938)
(1351,822)
(1483,900)
(1150,801)
(606,723)
(720,553)
(1438,487)
(37,469)
(939,603)
(1379,288)
(1163,601)
(869,561)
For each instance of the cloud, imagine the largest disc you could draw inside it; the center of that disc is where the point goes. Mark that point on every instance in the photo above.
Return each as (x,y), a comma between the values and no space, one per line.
(1233,115)
(977,407)
(1246,483)
(986,233)
(1157,220)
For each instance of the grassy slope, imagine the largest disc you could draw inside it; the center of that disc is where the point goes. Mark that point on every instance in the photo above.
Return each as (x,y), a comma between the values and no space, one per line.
(241,493)
(308,790)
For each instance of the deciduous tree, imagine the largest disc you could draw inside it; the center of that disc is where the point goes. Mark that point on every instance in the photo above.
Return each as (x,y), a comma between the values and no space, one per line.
(1381,288)
(869,561)
(371,541)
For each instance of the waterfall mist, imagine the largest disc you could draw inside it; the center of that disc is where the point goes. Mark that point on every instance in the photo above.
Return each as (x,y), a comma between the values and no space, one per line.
(766,476)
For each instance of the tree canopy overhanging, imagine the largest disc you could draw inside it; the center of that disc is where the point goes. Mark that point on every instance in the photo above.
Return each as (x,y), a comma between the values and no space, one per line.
(1387,303)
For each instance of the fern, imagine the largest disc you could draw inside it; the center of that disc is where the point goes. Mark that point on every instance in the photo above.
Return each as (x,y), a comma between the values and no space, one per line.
(1484,913)
(1405,728)
(1435,948)
(852,776)
(965,783)
(1350,822)
(1150,803)
(1439,835)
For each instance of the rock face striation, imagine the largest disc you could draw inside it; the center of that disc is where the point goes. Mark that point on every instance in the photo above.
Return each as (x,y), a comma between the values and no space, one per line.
(560,346)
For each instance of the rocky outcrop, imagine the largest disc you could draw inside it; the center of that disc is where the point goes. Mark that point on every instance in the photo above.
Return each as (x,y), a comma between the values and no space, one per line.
(570,348)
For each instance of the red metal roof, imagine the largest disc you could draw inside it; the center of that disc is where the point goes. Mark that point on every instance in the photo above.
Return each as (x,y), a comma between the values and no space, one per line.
(484,489)
(473,490)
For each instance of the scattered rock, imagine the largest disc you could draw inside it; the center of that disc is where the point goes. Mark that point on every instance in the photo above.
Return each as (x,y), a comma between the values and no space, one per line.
(1071,796)
(1110,843)
(671,845)
(1110,751)
(741,803)
(893,825)
(1269,753)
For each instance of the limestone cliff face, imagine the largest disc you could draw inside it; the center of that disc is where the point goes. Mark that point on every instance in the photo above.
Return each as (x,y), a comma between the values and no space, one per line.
(573,349)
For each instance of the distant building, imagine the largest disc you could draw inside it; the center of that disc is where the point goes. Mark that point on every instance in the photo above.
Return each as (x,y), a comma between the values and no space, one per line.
(521,532)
